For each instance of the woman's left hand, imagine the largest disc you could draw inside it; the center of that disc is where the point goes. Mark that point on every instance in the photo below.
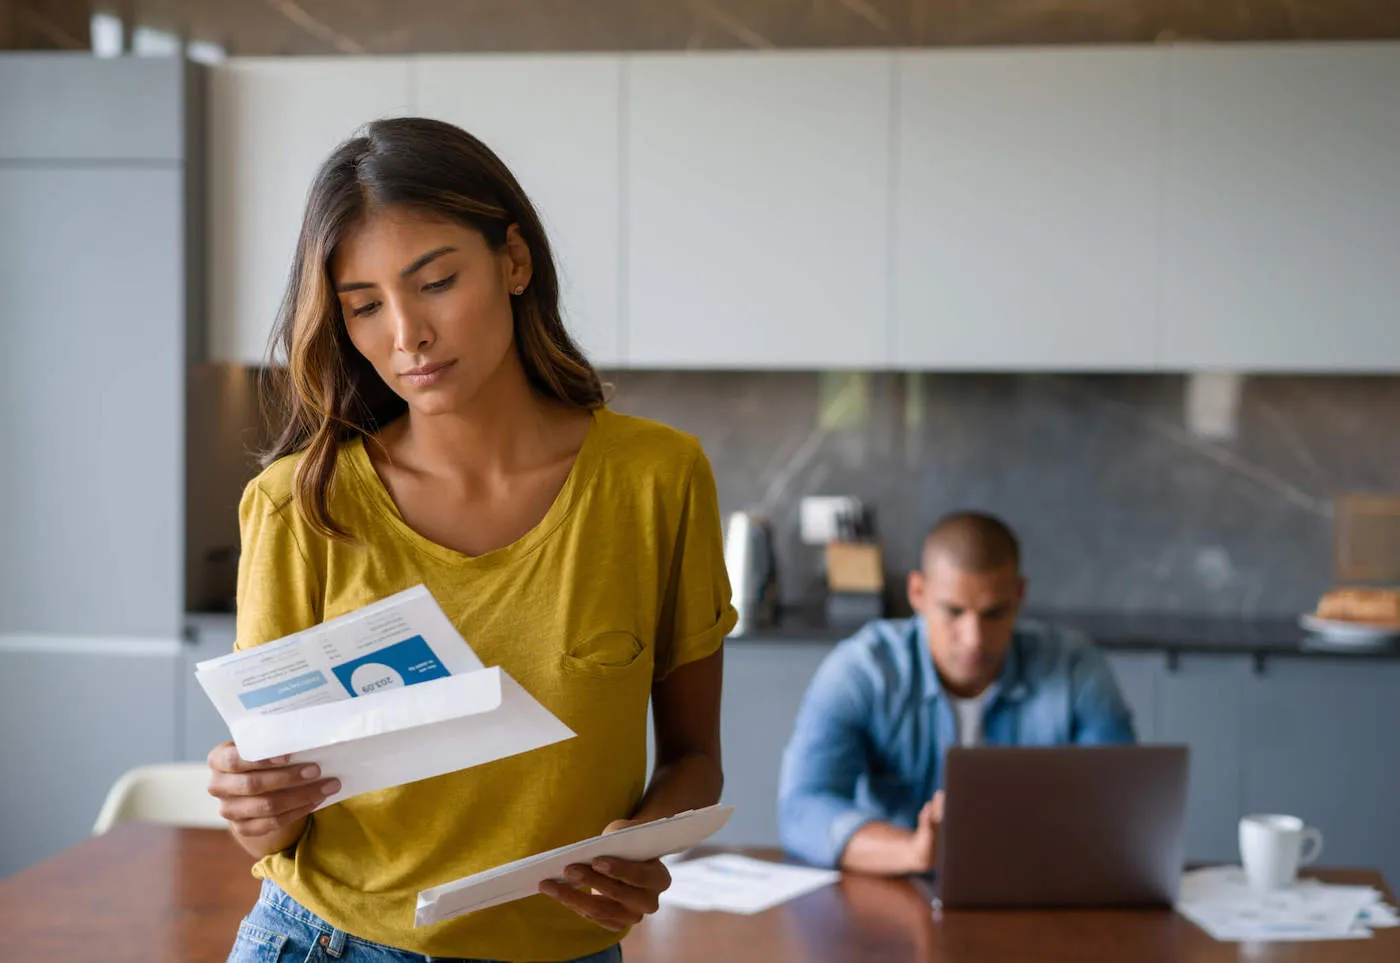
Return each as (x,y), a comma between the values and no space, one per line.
(614,893)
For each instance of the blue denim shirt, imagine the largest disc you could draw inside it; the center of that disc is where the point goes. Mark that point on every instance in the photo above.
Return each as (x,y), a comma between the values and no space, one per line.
(874,726)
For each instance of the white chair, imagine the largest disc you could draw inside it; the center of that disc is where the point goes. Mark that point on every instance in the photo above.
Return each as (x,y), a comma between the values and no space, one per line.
(175,794)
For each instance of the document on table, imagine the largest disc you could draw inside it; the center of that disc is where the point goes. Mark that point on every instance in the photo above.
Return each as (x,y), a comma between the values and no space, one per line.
(513,881)
(730,883)
(384,695)
(1220,901)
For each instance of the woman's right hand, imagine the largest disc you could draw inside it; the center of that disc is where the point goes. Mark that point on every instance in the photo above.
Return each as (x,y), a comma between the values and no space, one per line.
(268,798)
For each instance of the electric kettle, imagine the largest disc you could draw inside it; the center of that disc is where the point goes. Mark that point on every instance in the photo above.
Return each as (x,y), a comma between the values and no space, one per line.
(753,570)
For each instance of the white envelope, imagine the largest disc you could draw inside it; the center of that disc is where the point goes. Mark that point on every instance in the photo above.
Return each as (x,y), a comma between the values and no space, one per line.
(403,735)
(384,695)
(522,878)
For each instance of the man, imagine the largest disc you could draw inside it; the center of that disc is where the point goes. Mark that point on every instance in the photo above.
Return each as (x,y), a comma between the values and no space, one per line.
(861,784)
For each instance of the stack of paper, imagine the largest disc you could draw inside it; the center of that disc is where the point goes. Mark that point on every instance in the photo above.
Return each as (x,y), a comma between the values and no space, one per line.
(522,878)
(1220,901)
(387,694)
(738,884)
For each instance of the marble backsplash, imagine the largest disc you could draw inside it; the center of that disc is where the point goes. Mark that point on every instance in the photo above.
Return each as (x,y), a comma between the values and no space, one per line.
(1131,493)
(1127,495)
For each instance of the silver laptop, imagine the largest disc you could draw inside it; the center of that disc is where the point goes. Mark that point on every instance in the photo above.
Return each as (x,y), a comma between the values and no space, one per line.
(1062,826)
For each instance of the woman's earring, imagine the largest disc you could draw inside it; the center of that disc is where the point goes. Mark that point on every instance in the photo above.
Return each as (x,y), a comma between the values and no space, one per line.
(520,289)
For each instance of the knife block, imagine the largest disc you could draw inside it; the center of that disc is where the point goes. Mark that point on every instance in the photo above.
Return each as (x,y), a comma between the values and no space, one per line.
(854,567)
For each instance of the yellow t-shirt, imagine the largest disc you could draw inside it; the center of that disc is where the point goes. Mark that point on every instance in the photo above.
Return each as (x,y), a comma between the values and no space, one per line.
(621,582)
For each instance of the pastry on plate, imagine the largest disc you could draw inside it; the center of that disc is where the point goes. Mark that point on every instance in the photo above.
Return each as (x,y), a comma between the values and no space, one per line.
(1376,606)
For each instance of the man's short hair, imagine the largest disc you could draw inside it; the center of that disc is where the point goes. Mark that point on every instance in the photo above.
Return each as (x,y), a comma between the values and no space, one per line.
(973,542)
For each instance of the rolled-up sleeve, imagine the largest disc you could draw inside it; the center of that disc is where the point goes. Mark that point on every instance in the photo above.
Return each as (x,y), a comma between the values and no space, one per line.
(1101,716)
(825,758)
(697,611)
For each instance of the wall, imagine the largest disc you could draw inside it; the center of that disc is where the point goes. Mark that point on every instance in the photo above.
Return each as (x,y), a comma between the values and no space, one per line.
(1120,504)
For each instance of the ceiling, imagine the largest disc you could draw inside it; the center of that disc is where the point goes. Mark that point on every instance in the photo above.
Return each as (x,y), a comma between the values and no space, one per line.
(402,26)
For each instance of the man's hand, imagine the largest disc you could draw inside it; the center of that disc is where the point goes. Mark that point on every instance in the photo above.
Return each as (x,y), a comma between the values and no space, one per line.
(614,893)
(923,845)
(883,849)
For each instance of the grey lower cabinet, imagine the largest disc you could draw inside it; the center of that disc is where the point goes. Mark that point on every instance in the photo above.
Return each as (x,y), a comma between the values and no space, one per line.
(1323,744)
(1312,736)
(764,683)
(763,687)
(1200,702)
(1137,675)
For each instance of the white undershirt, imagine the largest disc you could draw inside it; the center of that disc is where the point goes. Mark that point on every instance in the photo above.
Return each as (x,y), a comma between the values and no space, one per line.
(968,713)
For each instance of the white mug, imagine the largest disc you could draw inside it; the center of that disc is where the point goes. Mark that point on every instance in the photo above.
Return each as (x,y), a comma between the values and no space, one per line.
(1273,847)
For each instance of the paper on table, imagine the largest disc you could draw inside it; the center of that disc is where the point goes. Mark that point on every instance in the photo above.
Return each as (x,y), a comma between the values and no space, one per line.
(729,883)
(521,878)
(385,695)
(1379,916)
(1221,902)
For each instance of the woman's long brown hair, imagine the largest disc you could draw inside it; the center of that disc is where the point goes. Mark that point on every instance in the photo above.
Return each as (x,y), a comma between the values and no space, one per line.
(318,390)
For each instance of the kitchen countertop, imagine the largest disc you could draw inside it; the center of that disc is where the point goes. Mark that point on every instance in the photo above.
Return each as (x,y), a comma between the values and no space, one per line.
(1168,633)
(1171,634)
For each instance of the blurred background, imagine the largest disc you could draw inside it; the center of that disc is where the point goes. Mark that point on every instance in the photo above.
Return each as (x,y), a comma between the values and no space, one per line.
(1124,272)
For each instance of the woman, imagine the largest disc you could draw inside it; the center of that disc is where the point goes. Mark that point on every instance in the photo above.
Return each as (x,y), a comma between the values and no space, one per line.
(439,426)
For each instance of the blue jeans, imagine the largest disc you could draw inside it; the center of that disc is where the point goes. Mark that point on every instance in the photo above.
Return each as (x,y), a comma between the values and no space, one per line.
(281,930)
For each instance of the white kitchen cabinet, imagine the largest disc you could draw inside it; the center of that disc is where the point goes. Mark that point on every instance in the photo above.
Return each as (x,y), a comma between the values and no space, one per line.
(756,210)
(1027,209)
(271,124)
(1282,200)
(1115,209)
(92,359)
(72,106)
(95,244)
(554,120)
(77,713)
(208,636)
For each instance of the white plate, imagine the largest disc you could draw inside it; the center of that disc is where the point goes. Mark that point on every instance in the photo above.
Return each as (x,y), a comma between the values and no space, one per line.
(1358,634)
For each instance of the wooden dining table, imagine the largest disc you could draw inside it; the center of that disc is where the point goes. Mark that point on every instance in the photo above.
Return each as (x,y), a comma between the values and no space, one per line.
(156,894)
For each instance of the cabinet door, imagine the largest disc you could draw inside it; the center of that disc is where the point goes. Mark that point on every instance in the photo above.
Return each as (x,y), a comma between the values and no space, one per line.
(757,210)
(1027,209)
(1324,745)
(271,124)
(78,713)
(554,120)
(1137,675)
(1201,704)
(76,107)
(201,726)
(92,358)
(764,683)
(1282,198)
